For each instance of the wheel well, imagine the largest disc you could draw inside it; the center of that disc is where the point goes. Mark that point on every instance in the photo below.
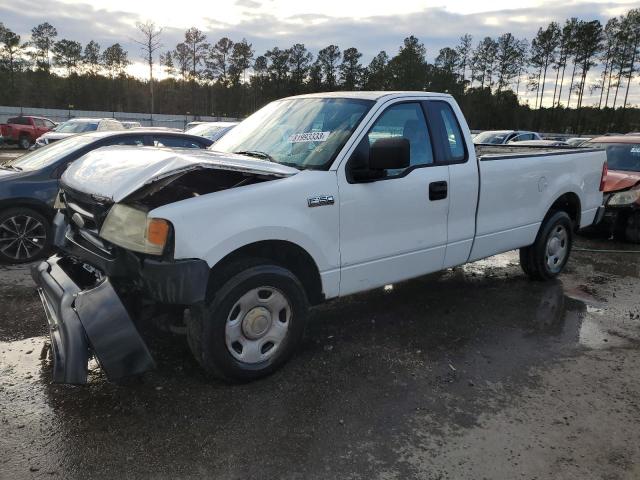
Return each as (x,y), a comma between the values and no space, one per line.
(570,203)
(282,253)
(39,207)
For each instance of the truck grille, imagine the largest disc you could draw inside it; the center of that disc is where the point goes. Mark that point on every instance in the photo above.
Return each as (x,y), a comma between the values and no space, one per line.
(85,217)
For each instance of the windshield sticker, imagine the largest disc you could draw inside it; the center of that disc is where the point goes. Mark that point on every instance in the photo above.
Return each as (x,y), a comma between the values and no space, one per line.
(309,137)
(635,150)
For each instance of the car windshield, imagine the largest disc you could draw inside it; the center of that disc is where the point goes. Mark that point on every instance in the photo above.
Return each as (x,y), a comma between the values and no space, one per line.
(492,138)
(45,156)
(305,133)
(620,156)
(77,127)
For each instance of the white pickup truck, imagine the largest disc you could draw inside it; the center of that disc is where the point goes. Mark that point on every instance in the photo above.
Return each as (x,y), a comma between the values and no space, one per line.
(311,198)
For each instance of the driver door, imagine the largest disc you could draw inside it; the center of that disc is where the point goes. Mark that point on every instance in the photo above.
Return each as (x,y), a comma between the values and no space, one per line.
(394,228)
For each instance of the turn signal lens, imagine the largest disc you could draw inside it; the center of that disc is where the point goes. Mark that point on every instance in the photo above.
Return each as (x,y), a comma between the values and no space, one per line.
(157,231)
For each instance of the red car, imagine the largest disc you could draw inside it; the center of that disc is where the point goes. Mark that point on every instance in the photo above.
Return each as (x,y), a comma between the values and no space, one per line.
(622,187)
(24,130)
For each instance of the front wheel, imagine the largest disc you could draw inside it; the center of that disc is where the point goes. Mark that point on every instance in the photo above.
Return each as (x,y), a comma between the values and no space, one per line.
(25,235)
(252,324)
(547,257)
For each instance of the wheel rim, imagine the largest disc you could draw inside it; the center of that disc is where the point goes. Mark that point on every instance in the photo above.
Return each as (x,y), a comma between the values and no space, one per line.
(557,248)
(22,237)
(257,325)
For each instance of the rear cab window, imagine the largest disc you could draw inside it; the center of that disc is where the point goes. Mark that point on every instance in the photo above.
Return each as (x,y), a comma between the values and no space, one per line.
(450,145)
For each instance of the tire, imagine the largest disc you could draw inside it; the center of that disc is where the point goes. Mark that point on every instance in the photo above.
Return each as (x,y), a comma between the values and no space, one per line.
(24,142)
(230,333)
(549,254)
(15,246)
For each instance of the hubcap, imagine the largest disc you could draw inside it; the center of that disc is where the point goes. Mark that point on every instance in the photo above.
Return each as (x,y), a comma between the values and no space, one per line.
(257,325)
(557,248)
(22,237)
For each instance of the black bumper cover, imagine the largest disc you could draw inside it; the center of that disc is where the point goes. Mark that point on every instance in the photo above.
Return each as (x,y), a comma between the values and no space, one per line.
(179,282)
(82,321)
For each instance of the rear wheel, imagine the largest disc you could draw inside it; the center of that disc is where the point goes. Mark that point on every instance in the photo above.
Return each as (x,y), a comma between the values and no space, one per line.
(252,323)
(25,235)
(547,257)
(24,142)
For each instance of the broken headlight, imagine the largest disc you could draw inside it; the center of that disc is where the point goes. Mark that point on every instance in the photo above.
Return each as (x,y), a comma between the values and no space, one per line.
(624,198)
(132,229)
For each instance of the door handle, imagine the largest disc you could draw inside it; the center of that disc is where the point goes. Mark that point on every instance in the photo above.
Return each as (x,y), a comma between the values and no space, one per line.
(437,190)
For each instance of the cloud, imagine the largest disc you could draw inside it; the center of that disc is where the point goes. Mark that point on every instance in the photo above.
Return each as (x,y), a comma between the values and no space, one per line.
(437,27)
(248,3)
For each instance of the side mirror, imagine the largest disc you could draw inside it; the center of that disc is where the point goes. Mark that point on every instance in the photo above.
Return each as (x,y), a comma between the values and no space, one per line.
(389,154)
(368,164)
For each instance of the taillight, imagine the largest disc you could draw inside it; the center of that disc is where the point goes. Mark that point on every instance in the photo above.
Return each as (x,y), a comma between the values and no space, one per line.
(603,178)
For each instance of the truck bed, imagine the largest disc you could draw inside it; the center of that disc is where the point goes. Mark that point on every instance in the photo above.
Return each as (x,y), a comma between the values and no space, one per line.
(496,152)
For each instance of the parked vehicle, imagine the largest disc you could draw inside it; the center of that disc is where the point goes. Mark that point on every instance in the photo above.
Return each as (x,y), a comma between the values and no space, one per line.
(29,184)
(540,143)
(502,137)
(310,198)
(128,124)
(193,124)
(622,188)
(577,141)
(76,126)
(24,130)
(212,130)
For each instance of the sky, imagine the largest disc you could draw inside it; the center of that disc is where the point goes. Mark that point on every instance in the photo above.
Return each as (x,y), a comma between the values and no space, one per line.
(370,26)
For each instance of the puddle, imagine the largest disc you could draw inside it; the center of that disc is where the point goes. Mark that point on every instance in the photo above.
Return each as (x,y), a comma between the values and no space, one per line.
(594,335)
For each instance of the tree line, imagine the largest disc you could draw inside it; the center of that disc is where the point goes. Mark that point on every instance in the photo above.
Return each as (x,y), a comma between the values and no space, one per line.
(502,82)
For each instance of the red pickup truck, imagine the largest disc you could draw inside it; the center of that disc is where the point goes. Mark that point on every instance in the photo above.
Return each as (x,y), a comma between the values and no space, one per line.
(24,130)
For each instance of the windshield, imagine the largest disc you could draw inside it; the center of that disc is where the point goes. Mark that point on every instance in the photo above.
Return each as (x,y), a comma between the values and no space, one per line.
(77,127)
(305,133)
(620,156)
(45,156)
(492,138)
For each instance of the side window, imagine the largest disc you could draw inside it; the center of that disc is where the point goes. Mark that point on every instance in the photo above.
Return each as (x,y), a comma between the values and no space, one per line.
(128,140)
(39,123)
(49,124)
(404,120)
(174,142)
(446,130)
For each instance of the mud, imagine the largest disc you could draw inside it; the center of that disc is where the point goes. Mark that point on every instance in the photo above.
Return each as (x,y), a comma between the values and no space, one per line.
(474,372)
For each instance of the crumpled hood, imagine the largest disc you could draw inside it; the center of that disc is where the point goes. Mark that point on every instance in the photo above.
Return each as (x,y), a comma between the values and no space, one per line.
(620,180)
(116,172)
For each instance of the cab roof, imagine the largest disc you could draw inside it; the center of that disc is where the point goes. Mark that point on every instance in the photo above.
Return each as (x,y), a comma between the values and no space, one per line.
(372,95)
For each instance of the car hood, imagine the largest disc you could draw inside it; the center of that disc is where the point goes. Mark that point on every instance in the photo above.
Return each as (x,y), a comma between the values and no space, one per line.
(620,180)
(56,135)
(114,173)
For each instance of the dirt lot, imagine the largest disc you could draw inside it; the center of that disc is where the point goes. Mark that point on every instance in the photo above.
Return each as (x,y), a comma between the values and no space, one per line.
(472,373)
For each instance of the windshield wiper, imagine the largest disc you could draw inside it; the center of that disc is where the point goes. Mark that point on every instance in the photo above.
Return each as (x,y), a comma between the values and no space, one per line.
(257,154)
(8,166)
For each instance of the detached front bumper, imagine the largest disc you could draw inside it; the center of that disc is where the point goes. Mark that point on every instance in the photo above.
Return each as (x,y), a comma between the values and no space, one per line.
(86,320)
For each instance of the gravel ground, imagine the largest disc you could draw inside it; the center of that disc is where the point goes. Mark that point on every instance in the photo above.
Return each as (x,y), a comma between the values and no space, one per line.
(471,373)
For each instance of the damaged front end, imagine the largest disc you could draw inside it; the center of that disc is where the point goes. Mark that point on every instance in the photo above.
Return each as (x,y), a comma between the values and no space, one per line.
(96,287)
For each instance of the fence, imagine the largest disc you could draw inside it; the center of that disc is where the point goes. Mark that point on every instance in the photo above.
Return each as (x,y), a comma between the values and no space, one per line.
(145,119)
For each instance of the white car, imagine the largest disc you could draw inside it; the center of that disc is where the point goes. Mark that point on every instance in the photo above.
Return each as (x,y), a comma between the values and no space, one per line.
(212,130)
(311,198)
(76,126)
(502,137)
